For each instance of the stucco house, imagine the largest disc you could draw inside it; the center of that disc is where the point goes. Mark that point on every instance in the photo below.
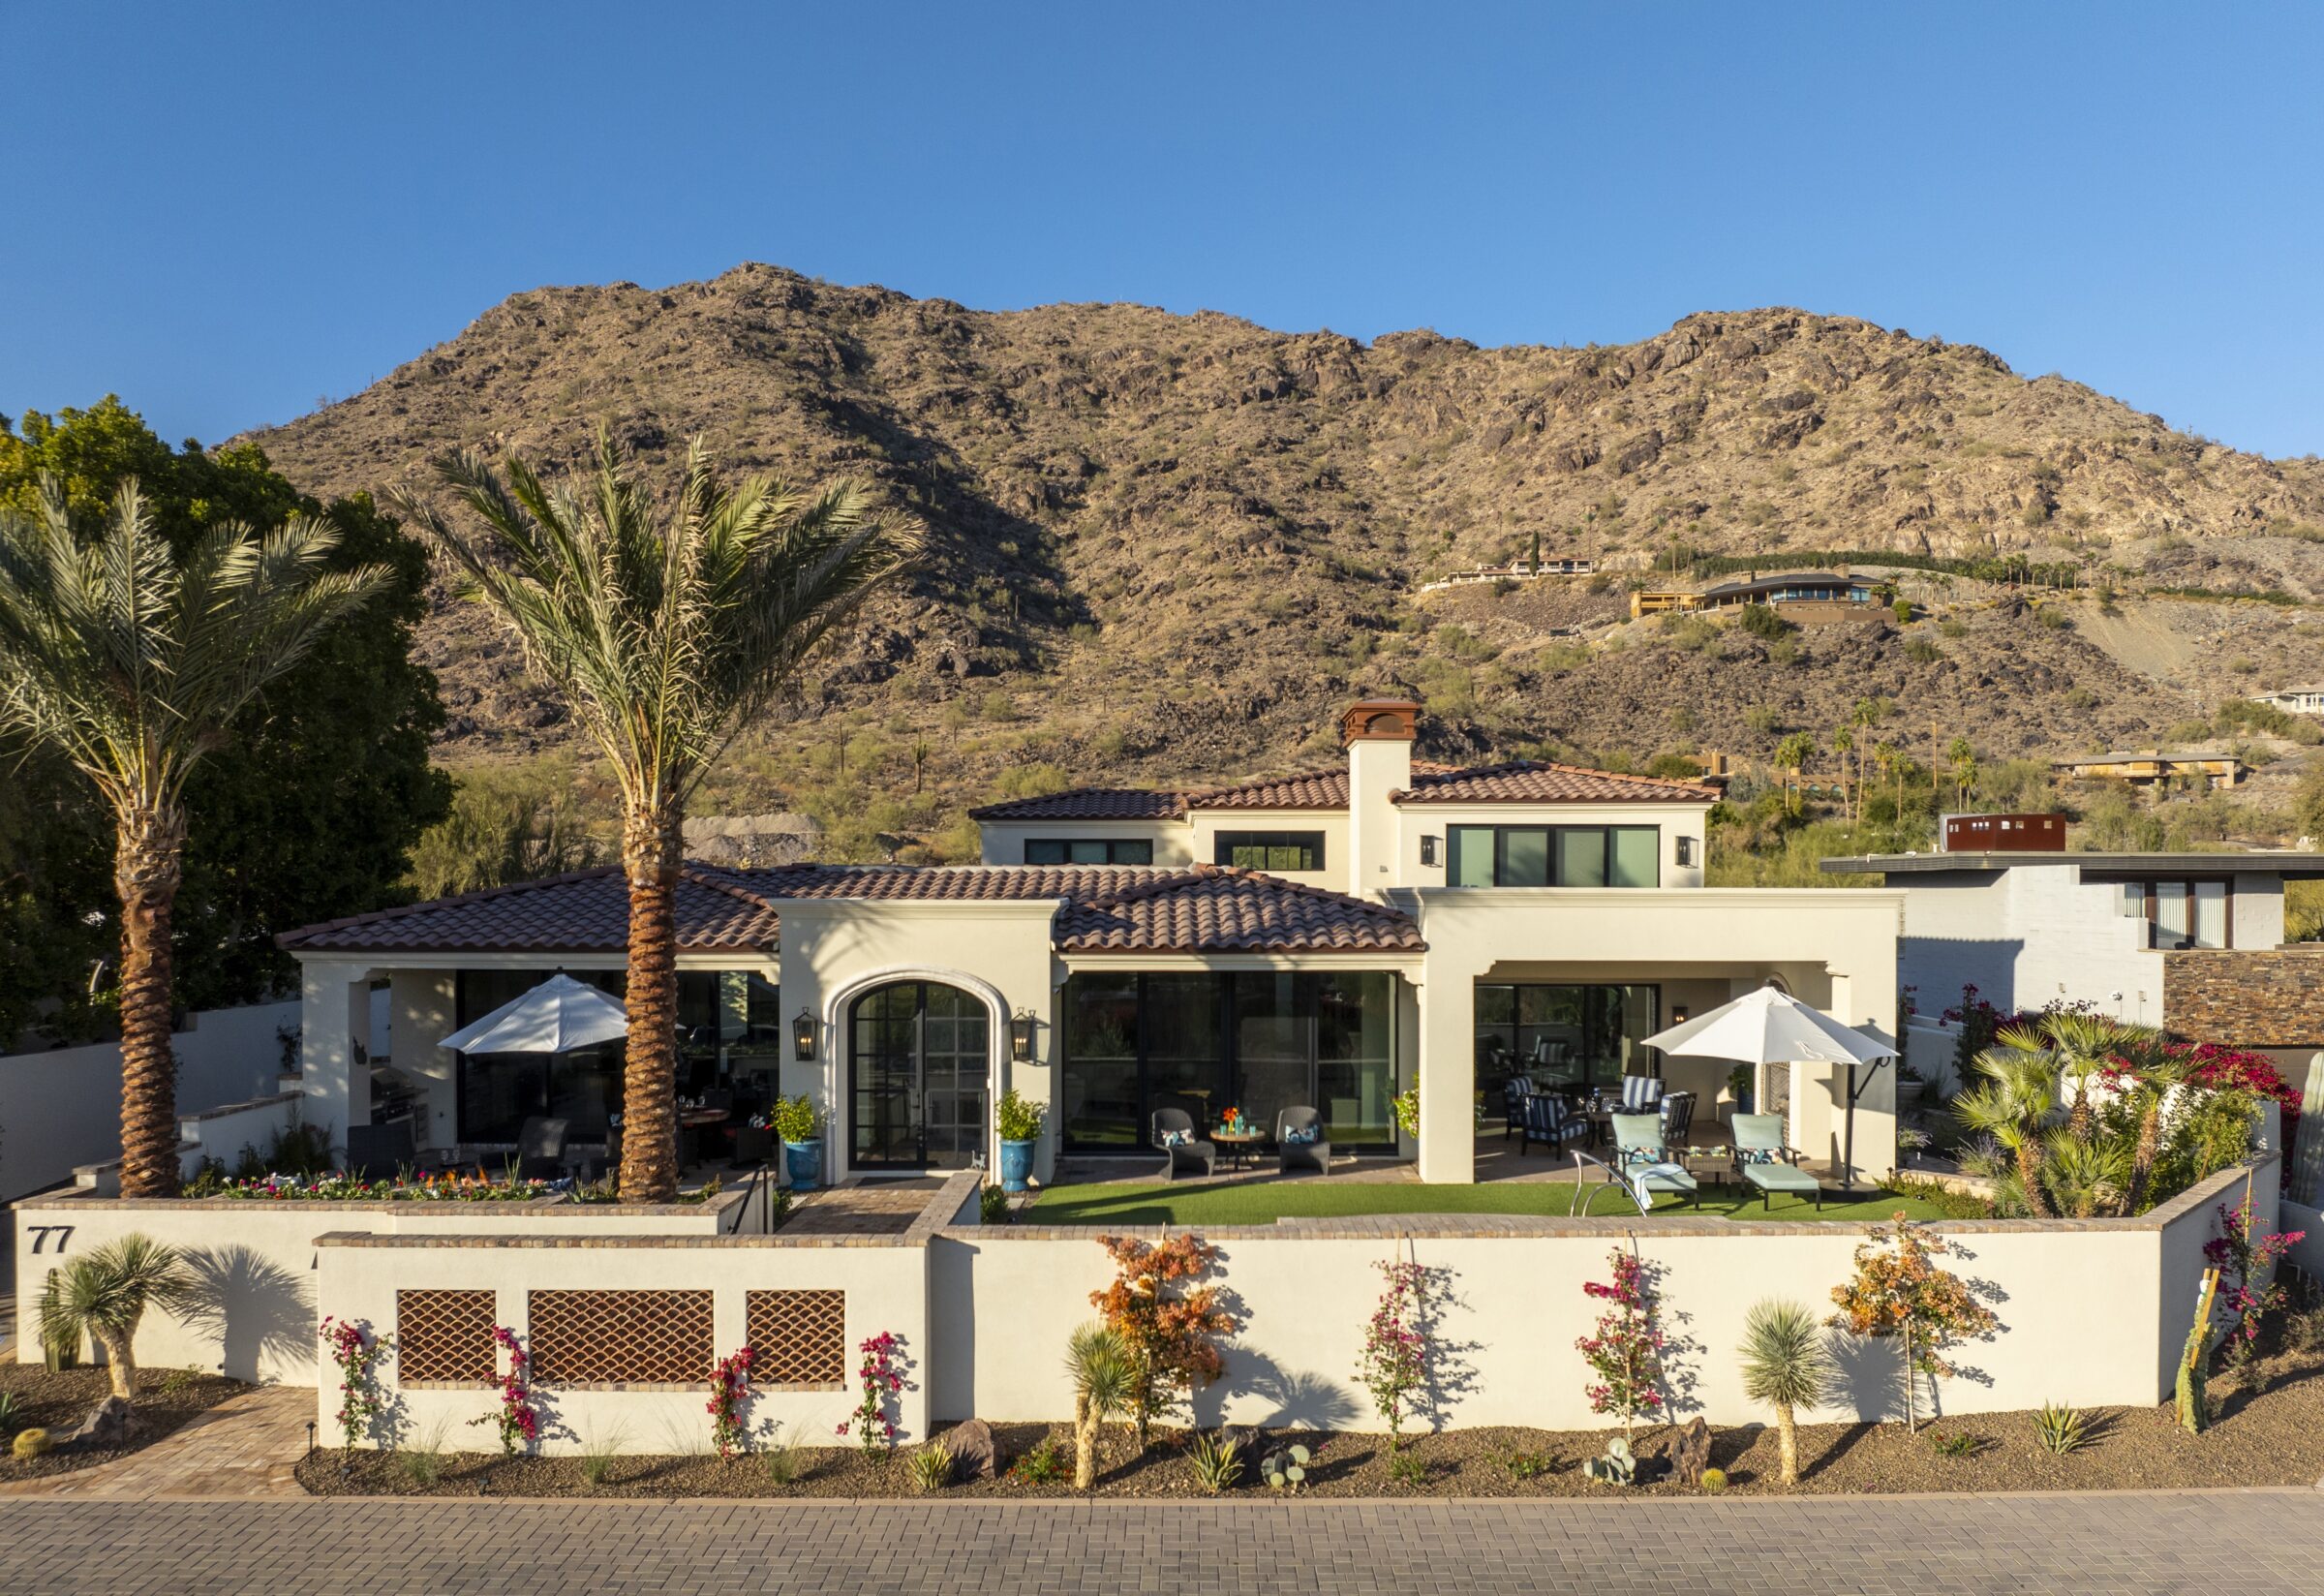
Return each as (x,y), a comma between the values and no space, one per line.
(1328,937)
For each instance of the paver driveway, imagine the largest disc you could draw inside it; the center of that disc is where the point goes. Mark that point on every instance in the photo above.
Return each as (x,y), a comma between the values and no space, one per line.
(2243,1541)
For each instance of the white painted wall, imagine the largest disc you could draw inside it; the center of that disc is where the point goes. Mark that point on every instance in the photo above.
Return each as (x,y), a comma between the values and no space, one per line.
(62,1108)
(1208,824)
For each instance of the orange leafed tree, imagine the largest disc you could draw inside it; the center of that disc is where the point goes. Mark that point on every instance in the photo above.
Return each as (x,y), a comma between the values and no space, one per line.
(1169,1322)
(1900,1290)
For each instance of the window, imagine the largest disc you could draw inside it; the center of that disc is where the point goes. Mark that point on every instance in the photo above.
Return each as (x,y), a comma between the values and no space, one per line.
(1089,850)
(2181,914)
(1272,849)
(1566,1035)
(1555,856)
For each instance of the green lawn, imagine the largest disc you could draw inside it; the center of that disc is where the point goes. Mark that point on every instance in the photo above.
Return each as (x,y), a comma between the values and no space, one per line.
(1263,1202)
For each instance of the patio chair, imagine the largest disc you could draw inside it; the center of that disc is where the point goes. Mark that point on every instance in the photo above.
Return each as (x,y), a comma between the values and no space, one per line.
(1641,1159)
(1640,1094)
(1763,1161)
(1300,1142)
(1678,1117)
(1174,1134)
(1514,1092)
(1549,1120)
(541,1150)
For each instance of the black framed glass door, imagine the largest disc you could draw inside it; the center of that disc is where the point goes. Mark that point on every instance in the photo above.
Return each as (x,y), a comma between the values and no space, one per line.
(919,1066)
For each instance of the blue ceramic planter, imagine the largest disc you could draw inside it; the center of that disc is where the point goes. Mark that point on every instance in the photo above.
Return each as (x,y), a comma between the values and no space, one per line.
(805,1160)
(1016,1165)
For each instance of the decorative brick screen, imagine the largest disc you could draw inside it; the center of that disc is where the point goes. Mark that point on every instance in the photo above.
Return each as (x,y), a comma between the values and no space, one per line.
(799,1338)
(443,1337)
(621,1338)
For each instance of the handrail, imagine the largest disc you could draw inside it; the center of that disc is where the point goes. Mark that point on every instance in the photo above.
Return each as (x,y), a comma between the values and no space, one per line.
(743,1207)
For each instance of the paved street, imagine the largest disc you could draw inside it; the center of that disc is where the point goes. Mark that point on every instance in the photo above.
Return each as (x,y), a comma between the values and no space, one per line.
(2247,1541)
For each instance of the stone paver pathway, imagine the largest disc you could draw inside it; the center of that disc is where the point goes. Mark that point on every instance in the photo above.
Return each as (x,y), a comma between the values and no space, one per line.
(2247,1541)
(245,1446)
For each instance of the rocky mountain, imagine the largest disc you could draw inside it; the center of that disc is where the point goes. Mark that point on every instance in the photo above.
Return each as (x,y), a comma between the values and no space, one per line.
(1171,545)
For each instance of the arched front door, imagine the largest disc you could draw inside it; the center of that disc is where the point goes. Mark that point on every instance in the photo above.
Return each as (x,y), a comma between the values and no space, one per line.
(919,1060)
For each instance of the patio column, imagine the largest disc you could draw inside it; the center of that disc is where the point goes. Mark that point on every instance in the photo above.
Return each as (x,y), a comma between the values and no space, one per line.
(1447,1081)
(335,1009)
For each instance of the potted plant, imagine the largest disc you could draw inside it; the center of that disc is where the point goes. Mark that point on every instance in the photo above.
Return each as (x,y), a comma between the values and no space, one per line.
(1020,1121)
(799,1125)
(1738,1087)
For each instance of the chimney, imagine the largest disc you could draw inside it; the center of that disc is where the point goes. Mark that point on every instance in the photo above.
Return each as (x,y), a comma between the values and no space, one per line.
(1377,733)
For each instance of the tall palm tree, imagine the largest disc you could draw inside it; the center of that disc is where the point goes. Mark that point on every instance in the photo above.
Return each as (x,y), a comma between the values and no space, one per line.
(104,1293)
(2156,1072)
(130,663)
(2016,1103)
(664,630)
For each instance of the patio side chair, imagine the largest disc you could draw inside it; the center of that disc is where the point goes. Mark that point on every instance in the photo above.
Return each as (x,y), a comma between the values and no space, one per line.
(1764,1162)
(541,1150)
(1640,1094)
(1639,1153)
(1300,1142)
(1547,1121)
(1678,1117)
(1181,1148)
(1514,1092)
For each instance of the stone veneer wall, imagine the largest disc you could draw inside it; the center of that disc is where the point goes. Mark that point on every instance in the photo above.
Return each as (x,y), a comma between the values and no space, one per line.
(2270,997)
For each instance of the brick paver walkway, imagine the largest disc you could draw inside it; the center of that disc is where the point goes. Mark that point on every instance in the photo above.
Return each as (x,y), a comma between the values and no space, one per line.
(2248,1542)
(245,1446)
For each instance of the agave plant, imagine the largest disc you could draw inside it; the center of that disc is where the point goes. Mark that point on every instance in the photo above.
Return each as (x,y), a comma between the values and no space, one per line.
(104,1293)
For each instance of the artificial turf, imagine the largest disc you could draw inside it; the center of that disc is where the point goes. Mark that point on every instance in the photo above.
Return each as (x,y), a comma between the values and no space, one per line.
(1263,1202)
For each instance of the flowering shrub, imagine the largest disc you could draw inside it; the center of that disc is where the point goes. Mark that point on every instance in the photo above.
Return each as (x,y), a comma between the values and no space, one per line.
(729,1390)
(1395,1362)
(338,1187)
(881,1378)
(2243,1261)
(1899,1290)
(518,1417)
(1171,1326)
(1626,1352)
(360,1403)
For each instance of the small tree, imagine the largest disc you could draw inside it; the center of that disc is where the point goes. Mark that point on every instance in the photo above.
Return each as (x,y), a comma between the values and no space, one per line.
(1899,1290)
(104,1293)
(1788,1364)
(1626,1353)
(1098,1361)
(1170,1326)
(1395,1363)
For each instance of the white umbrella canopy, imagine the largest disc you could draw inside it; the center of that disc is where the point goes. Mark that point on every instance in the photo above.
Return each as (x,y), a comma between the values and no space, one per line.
(557,1016)
(1768,1027)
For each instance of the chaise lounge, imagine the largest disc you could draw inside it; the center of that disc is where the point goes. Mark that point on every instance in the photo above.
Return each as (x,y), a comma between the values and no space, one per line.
(1762,1159)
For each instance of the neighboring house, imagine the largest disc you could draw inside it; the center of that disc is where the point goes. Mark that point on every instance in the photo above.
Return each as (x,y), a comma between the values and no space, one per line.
(1801,596)
(1327,939)
(2294,700)
(2190,941)
(2144,767)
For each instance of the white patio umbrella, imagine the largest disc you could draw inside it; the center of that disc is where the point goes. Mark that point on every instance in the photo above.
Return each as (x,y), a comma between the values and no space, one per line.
(557,1016)
(1771,1027)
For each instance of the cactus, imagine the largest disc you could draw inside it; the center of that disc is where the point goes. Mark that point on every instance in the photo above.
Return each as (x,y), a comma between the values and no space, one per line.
(1714,1480)
(1285,1468)
(1616,1468)
(35,1442)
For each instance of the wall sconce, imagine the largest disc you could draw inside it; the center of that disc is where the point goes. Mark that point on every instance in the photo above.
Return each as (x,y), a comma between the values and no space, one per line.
(1020,1036)
(803,1037)
(1678,1014)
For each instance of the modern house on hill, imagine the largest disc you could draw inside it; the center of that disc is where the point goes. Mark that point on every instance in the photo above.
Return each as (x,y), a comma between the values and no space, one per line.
(1324,938)
(2145,767)
(1801,596)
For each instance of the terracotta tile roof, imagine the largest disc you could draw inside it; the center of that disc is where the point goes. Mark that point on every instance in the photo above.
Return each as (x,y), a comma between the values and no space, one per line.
(1125,908)
(1528,782)
(587,912)
(1090,804)
(1314,790)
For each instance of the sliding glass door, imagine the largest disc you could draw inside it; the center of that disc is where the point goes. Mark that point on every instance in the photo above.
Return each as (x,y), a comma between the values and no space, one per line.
(1560,1034)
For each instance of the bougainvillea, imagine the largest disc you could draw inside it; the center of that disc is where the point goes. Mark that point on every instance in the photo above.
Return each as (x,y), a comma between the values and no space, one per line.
(1625,1353)
(354,1352)
(879,1378)
(2247,1266)
(1899,1290)
(1395,1363)
(517,1417)
(1169,1325)
(729,1390)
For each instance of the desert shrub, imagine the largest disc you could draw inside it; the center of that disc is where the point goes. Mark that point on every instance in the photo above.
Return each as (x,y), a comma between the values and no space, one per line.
(1922,652)
(1761,621)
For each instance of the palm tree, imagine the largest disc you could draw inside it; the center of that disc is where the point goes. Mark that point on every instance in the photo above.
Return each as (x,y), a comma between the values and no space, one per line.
(2158,1071)
(1787,1364)
(104,1293)
(2016,1104)
(2086,1177)
(1842,742)
(2085,1044)
(1791,755)
(130,663)
(665,632)
(1097,1360)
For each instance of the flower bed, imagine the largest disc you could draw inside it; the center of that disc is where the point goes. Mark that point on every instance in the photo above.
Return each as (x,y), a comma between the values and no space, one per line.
(338,1187)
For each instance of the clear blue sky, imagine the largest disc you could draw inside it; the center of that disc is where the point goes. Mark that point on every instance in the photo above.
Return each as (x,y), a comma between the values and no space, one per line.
(227,212)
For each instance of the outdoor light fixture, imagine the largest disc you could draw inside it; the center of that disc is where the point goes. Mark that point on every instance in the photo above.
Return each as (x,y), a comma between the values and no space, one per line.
(803,1037)
(1020,1036)
(1678,1014)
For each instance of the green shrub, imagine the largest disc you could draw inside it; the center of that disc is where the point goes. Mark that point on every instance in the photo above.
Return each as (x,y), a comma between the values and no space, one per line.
(1902,609)
(992,1207)
(1043,1464)
(1018,1118)
(1528,1465)
(1922,652)
(12,1409)
(1761,621)
(797,1118)
(1957,1444)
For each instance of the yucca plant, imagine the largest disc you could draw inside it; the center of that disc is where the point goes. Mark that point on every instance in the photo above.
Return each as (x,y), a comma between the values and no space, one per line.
(1788,1364)
(104,1293)
(130,663)
(932,1467)
(2062,1429)
(1097,1361)
(663,631)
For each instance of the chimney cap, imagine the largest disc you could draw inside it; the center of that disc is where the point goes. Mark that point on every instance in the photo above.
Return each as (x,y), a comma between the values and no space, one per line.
(1379,721)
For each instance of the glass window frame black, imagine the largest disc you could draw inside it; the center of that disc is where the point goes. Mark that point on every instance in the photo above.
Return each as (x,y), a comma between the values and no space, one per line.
(1226,1066)
(1118,850)
(1551,835)
(1310,845)
(1596,1001)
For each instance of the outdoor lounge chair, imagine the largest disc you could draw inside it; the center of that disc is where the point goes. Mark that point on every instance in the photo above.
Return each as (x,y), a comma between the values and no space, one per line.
(1300,1142)
(1640,1094)
(1762,1159)
(1190,1152)
(1548,1120)
(1641,1161)
(1514,1092)
(541,1150)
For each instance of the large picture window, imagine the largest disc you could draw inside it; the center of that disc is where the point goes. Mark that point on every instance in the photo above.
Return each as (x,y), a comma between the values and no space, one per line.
(2182,914)
(1555,856)
(1261,1041)
(1563,1036)
(1271,850)
(1089,850)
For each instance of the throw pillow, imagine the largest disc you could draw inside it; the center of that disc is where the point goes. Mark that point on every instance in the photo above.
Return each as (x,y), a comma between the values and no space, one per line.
(1176,1138)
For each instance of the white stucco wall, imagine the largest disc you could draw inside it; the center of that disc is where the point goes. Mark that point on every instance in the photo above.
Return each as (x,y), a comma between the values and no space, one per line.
(1206,823)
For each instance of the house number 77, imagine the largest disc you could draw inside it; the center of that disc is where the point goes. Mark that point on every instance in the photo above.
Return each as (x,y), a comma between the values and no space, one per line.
(42,1233)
